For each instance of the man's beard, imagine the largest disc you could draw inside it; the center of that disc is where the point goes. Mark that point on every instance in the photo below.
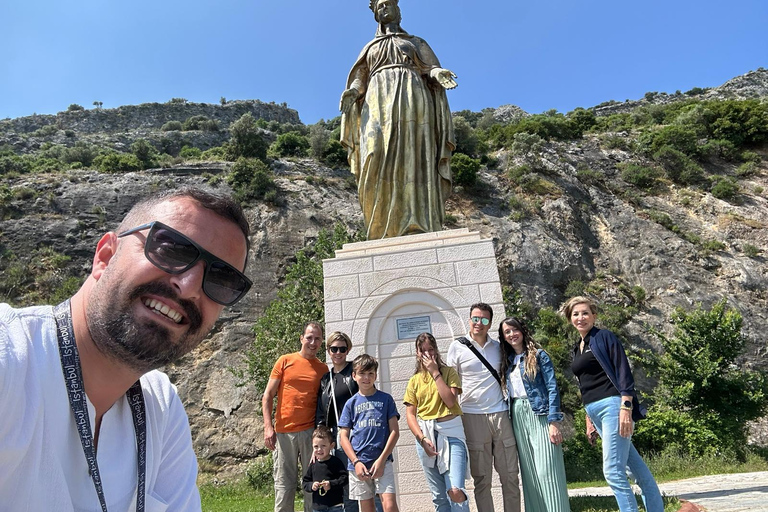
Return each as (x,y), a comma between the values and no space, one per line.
(141,345)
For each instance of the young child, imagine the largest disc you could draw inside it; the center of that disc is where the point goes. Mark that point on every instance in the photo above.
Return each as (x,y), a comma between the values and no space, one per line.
(326,477)
(369,433)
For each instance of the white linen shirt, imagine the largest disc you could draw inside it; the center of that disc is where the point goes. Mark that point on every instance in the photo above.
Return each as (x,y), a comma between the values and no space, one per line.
(481,393)
(42,465)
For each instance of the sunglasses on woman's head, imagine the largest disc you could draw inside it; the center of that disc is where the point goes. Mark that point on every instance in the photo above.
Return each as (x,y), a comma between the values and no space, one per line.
(334,350)
(484,321)
(173,252)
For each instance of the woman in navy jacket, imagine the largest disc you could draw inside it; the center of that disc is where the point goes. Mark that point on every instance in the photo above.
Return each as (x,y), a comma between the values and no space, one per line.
(610,400)
(534,406)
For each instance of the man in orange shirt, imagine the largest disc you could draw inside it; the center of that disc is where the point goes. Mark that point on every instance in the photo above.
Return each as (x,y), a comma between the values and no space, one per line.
(295,380)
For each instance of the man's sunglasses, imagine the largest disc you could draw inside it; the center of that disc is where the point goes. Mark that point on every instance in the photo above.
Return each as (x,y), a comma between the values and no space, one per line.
(172,252)
(484,321)
(333,350)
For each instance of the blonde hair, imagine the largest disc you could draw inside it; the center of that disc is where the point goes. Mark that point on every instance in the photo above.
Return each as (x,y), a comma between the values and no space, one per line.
(426,338)
(567,308)
(339,336)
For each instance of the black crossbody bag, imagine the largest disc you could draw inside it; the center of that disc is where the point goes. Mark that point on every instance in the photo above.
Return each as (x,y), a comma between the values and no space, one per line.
(464,341)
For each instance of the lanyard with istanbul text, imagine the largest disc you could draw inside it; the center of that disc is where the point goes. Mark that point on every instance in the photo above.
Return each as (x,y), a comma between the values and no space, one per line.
(73,377)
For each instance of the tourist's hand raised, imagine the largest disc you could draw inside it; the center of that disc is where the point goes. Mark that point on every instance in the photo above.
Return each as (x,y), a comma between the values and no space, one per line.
(444,77)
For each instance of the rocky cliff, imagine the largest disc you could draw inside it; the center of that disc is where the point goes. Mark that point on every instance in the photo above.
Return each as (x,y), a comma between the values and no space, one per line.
(576,228)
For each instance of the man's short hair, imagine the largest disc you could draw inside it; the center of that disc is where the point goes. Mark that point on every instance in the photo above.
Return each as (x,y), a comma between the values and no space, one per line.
(220,204)
(314,325)
(482,306)
(323,432)
(365,363)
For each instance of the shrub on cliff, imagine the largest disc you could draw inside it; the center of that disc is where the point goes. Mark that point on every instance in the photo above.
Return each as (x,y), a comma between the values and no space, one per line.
(117,162)
(246,140)
(251,178)
(464,169)
(289,144)
(171,126)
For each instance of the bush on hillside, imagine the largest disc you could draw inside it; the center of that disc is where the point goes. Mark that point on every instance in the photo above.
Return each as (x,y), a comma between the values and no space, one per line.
(464,169)
(246,140)
(117,162)
(638,175)
(726,188)
(679,167)
(171,126)
(289,144)
(200,123)
(251,178)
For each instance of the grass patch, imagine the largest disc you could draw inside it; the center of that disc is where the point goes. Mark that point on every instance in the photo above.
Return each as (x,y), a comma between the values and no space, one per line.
(238,497)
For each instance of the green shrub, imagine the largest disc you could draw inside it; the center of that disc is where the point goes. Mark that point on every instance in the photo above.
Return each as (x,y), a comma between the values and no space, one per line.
(464,170)
(747,169)
(145,153)
(663,219)
(678,166)
(665,429)
(177,101)
(335,155)
(713,245)
(200,123)
(74,107)
(719,148)
(290,144)
(259,474)
(246,140)
(698,373)
(217,153)
(81,152)
(190,153)
(726,188)
(45,131)
(171,126)
(117,162)
(466,138)
(750,156)
(681,138)
(251,178)
(750,250)
(639,175)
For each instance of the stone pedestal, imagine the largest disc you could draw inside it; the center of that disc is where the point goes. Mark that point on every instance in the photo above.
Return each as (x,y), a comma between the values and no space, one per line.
(384,292)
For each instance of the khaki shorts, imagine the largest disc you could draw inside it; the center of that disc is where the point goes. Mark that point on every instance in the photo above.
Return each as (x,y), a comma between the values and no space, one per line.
(367,489)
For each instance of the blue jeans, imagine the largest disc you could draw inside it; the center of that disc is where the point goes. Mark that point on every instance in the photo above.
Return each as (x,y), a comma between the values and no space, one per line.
(451,479)
(620,459)
(353,505)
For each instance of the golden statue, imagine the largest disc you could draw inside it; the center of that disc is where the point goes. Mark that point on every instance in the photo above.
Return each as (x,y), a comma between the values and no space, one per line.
(397,128)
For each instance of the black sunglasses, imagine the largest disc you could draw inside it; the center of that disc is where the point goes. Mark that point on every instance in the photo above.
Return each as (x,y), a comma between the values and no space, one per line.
(173,252)
(343,350)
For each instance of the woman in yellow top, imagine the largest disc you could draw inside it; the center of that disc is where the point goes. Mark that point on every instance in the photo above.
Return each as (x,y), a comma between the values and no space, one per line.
(434,416)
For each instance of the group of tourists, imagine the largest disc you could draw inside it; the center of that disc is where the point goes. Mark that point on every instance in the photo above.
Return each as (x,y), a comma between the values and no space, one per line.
(489,405)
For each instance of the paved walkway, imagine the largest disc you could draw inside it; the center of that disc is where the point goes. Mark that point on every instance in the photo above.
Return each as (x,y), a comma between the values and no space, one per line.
(738,492)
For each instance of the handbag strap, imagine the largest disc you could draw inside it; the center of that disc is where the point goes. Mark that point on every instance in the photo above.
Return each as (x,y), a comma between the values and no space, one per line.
(333,398)
(470,346)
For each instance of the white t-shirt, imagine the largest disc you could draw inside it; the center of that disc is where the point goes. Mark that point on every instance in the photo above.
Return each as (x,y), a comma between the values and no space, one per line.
(42,466)
(481,393)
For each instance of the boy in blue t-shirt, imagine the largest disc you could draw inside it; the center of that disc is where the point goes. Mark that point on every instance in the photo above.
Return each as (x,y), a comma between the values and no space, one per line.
(369,432)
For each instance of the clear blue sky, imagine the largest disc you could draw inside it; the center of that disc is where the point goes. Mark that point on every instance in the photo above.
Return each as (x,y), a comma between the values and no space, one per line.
(539,54)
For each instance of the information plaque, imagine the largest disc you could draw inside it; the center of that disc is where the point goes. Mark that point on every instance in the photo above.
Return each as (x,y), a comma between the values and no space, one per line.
(409,328)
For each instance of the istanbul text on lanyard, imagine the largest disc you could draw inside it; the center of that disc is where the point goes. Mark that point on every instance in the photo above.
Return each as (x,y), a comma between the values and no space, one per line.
(73,377)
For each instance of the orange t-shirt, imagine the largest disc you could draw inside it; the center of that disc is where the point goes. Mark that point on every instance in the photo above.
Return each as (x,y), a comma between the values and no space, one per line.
(297,392)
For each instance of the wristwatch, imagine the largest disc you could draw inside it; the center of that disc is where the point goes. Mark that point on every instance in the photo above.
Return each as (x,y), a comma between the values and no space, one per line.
(626,404)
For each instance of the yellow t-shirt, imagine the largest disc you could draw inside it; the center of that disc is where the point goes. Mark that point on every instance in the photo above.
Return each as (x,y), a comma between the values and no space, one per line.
(422,392)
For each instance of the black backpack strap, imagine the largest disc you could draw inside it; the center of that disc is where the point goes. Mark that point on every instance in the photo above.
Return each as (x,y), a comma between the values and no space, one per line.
(470,346)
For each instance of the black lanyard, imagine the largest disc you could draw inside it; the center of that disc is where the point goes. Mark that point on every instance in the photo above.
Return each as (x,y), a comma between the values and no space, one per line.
(73,378)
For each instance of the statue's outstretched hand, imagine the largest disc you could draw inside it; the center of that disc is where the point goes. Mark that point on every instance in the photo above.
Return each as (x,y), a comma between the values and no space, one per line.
(348,98)
(444,77)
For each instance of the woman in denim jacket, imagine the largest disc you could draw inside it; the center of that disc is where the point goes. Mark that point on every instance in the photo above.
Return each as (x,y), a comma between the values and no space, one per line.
(610,400)
(534,406)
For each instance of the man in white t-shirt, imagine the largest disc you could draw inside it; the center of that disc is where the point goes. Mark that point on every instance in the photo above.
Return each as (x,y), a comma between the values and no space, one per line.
(80,379)
(490,439)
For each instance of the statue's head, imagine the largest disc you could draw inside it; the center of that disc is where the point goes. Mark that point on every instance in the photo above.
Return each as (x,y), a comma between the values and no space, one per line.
(384,9)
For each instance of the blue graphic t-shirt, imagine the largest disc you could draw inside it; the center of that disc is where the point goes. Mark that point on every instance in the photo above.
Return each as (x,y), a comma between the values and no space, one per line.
(368,418)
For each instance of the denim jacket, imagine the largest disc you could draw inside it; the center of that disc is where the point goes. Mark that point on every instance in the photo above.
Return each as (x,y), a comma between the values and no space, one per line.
(609,352)
(542,392)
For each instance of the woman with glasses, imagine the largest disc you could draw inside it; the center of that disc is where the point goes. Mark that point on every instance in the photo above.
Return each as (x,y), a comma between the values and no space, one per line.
(434,416)
(610,400)
(534,406)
